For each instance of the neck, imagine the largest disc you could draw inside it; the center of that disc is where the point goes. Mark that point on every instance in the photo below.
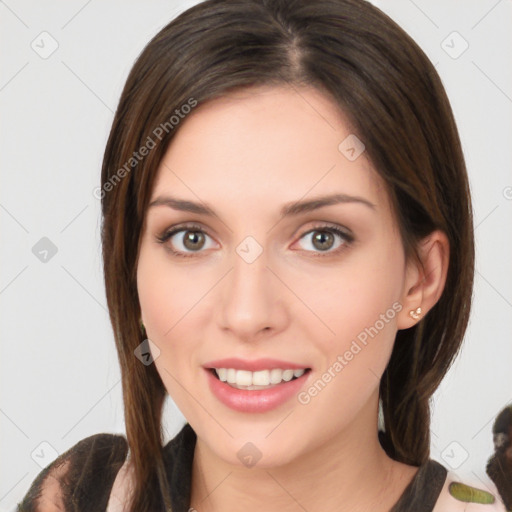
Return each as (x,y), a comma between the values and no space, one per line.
(350,472)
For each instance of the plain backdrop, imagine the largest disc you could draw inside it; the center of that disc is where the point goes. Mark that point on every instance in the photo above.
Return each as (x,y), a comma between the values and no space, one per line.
(63,66)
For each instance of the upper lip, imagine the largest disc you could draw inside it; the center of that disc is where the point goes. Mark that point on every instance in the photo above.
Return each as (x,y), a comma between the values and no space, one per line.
(253,365)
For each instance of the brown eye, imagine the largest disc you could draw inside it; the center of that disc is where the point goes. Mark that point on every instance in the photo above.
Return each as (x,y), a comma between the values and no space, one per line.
(185,240)
(193,240)
(324,240)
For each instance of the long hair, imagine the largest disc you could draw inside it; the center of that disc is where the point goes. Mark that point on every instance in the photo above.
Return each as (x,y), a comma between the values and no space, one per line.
(396,104)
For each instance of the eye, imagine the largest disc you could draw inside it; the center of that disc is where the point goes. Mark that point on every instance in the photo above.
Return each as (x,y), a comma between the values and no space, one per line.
(324,239)
(191,239)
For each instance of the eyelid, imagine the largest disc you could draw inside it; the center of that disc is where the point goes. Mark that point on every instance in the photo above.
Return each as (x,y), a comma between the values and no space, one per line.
(167,233)
(325,226)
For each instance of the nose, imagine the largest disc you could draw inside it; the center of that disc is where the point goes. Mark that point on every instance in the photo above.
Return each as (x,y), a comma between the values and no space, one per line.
(252,300)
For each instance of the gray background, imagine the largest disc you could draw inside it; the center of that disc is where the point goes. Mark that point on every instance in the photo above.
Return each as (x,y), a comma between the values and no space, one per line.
(59,373)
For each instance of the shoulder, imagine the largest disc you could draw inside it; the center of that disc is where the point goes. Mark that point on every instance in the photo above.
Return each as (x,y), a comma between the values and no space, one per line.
(456,495)
(122,489)
(178,454)
(78,478)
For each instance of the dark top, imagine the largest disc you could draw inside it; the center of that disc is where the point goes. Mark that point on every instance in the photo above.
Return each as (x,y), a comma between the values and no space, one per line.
(86,474)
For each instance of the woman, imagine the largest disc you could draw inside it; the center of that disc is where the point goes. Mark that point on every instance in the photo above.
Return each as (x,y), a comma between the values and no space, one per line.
(288,243)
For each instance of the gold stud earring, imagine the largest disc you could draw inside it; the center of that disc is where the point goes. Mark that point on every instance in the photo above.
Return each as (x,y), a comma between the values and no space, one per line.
(415,313)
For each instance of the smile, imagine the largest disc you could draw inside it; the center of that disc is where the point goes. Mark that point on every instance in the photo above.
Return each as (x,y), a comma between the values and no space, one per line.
(263,379)
(256,386)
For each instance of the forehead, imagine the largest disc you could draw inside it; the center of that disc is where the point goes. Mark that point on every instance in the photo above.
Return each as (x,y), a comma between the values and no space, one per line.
(267,145)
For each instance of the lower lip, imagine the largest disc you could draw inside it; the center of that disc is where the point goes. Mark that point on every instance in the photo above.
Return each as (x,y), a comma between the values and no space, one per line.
(259,400)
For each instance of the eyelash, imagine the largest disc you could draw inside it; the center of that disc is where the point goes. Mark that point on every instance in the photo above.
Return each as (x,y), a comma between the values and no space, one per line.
(348,239)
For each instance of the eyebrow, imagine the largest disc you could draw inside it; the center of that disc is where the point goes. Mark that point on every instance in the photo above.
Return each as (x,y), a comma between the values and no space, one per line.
(293,208)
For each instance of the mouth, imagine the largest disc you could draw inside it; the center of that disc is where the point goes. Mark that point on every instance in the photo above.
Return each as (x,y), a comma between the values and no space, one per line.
(255,386)
(257,380)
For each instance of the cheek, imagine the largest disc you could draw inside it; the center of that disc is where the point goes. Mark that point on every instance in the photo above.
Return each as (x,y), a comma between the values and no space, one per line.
(352,364)
(154,294)
(163,296)
(352,296)
(172,300)
(359,303)
(166,292)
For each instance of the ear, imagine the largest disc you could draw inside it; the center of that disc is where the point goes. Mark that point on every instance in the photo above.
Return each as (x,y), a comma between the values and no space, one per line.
(424,280)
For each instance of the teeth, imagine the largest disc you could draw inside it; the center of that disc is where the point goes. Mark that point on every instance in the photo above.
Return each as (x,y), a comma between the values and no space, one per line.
(255,380)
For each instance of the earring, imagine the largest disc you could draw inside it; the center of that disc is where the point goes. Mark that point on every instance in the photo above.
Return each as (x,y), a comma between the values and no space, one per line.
(415,313)
(142,328)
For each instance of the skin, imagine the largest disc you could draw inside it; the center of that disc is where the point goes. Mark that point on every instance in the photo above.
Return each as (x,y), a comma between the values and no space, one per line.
(246,155)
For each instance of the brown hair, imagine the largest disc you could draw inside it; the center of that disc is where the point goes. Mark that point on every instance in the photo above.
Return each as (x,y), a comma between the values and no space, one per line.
(395,100)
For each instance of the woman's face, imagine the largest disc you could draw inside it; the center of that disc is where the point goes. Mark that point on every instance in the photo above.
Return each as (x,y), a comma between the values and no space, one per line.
(264,279)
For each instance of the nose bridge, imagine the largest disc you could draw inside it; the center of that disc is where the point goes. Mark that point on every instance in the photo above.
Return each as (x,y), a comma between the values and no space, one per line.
(249,300)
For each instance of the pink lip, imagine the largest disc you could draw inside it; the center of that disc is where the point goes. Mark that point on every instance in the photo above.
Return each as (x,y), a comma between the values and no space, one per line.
(254,401)
(253,366)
